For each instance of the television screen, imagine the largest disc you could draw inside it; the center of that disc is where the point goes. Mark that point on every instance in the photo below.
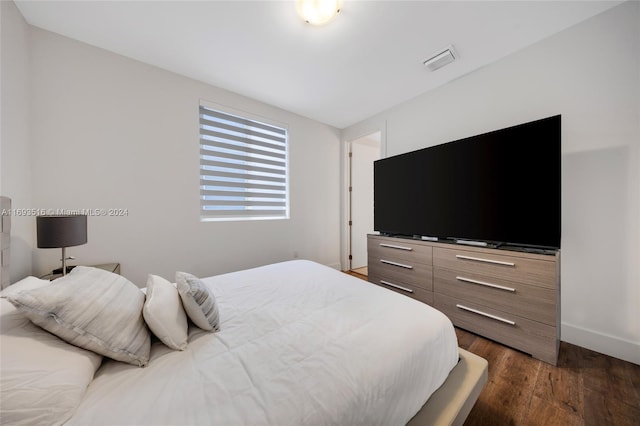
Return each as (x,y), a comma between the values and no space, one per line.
(498,187)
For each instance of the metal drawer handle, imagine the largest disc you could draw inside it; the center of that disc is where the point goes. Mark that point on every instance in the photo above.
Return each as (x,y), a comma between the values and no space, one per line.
(408,290)
(402,265)
(486,284)
(479,259)
(484,314)
(393,246)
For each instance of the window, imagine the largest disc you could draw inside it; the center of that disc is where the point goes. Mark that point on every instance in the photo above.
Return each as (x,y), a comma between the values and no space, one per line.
(243,167)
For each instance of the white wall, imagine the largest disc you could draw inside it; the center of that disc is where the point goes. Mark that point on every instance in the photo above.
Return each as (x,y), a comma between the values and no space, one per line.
(110,132)
(591,75)
(15,152)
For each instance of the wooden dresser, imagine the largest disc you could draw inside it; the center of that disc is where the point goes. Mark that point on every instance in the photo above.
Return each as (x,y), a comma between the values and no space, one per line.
(512,297)
(401,265)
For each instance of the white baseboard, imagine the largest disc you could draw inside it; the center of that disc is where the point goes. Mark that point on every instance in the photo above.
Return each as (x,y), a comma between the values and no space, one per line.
(600,342)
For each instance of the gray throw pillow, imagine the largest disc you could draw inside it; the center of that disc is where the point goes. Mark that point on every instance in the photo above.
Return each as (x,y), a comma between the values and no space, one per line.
(93,309)
(198,301)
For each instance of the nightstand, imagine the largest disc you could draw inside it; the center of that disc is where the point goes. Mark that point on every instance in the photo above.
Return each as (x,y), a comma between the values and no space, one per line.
(111,267)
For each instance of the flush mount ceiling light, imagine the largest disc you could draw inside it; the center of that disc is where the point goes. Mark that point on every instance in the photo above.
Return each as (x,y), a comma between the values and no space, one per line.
(318,12)
(440,58)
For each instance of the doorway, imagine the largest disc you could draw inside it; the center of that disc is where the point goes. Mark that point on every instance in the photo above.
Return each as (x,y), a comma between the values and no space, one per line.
(362,153)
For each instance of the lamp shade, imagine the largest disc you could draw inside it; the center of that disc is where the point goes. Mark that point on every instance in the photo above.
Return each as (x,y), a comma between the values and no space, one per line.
(61,231)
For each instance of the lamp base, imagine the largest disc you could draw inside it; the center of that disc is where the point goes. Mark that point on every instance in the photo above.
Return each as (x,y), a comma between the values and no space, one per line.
(65,269)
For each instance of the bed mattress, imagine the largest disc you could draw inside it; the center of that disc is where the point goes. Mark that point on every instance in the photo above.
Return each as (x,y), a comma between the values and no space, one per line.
(299,344)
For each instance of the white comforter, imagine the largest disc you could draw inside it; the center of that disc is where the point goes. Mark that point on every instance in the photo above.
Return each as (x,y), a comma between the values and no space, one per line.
(299,344)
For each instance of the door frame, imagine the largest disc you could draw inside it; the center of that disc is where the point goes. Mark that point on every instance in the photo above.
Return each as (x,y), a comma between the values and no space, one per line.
(345,229)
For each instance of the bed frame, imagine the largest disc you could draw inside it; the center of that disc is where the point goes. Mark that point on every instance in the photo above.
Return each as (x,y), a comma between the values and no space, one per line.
(452,402)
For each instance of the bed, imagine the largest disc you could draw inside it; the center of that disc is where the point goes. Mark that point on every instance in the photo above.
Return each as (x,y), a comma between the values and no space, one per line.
(292,343)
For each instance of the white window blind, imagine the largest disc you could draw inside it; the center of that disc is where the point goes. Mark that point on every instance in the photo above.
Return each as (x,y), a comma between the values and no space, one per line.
(243,168)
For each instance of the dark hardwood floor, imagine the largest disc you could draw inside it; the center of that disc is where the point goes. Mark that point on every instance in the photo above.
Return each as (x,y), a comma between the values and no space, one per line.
(585,388)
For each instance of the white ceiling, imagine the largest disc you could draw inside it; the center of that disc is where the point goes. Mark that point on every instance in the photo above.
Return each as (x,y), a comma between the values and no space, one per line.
(366,60)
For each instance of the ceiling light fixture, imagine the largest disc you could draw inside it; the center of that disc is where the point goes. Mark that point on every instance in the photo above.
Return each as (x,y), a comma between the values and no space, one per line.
(318,12)
(440,59)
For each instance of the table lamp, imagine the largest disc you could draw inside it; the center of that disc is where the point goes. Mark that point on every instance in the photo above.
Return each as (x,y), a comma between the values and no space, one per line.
(61,232)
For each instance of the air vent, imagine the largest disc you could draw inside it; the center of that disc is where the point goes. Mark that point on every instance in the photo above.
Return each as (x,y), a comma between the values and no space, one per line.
(440,59)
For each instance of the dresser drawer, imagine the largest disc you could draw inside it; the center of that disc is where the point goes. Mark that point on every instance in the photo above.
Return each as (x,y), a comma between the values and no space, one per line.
(409,290)
(402,272)
(406,250)
(532,337)
(534,303)
(521,269)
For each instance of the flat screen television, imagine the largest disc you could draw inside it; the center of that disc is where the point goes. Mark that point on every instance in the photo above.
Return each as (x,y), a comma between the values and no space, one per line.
(501,187)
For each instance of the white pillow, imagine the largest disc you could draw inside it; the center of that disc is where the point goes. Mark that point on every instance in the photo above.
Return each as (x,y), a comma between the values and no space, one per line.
(42,378)
(17,319)
(198,301)
(164,314)
(93,309)
(28,283)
